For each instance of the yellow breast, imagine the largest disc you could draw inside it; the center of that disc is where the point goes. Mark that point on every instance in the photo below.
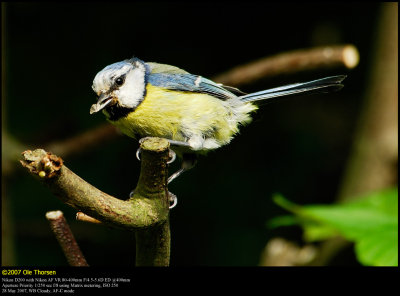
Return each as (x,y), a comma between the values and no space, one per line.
(180,115)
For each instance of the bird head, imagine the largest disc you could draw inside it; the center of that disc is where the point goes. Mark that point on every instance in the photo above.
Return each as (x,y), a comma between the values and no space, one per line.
(121,84)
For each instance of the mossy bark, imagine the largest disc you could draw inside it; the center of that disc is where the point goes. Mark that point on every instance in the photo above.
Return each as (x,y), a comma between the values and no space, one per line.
(146,212)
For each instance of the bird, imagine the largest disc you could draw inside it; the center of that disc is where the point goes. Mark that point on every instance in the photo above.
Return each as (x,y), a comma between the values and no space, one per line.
(195,114)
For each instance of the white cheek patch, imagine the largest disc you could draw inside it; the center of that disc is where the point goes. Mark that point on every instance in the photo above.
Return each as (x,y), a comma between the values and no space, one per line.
(131,93)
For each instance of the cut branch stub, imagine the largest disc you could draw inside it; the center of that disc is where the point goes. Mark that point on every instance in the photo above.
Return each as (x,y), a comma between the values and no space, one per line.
(148,207)
(42,163)
(65,238)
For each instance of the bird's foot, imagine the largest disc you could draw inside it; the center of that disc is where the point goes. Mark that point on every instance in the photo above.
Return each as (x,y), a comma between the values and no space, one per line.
(173,200)
(172,155)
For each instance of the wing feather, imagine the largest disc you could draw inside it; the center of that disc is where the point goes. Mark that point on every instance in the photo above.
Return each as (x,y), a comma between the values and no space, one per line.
(174,78)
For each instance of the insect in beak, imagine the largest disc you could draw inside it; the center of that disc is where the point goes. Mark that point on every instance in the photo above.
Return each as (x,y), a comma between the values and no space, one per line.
(102,102)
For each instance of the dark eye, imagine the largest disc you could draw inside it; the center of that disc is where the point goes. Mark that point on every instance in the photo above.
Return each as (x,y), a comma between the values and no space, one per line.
(120,80)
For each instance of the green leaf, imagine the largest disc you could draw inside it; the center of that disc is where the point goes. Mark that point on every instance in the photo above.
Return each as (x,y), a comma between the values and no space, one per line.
(287,220)
(370,222)
(317,231)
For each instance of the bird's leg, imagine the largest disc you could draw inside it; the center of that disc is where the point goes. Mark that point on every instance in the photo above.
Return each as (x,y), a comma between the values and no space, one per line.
(173,200)
(188,162)
(179,143)
(172,142)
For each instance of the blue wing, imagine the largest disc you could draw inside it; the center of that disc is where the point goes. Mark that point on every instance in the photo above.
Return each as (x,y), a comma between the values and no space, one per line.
(174,78)
(183,81)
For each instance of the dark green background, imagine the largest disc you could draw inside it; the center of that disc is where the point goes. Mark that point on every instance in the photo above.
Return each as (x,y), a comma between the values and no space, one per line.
(296,147)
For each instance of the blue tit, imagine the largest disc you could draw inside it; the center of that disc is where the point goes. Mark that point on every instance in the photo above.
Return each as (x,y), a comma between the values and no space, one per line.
(194,113)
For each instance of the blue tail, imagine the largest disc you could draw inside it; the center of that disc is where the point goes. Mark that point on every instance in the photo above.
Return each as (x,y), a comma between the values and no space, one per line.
(327,84)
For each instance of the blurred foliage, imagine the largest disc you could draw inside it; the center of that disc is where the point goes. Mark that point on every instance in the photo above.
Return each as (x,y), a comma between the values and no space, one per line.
(371,222)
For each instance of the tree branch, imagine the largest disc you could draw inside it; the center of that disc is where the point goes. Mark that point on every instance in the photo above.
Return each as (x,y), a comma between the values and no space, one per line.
(146,212)
(292,62)
(80,216)
(374,159)
(65,238)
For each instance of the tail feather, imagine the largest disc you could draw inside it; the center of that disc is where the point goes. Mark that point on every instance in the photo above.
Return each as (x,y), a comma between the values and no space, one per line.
(327,84)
